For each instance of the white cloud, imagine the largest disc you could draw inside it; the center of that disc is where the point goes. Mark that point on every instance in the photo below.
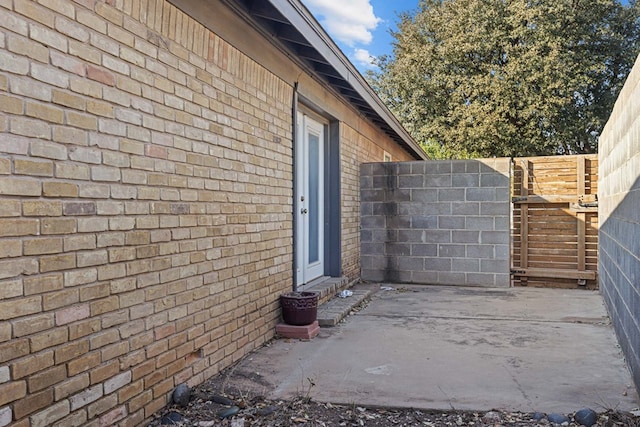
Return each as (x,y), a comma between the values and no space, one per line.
(349,21)
(363,58)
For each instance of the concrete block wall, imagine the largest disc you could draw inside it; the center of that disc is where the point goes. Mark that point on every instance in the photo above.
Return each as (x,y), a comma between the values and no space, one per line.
(619,217)
(436,222)
(357,147)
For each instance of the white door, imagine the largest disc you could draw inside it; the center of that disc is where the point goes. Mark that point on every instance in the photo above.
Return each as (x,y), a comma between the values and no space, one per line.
(309,206)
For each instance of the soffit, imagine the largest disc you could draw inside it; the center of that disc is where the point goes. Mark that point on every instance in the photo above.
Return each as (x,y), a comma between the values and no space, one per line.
(295,29)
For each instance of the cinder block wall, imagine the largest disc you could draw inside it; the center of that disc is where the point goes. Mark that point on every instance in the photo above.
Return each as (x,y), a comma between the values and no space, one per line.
(145,206)
(357,147)
(436,222)
(619,216)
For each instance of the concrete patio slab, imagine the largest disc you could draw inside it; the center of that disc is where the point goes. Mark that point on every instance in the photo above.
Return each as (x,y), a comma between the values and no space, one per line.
(434,347)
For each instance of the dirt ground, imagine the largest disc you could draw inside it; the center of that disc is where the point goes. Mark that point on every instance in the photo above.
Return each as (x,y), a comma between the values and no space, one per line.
(218,403)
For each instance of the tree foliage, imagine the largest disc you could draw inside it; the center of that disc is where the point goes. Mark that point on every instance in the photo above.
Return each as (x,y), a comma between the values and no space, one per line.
(509,77)
(436,151)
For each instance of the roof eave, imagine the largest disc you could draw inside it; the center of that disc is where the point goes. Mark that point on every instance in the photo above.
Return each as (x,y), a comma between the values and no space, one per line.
(297,15)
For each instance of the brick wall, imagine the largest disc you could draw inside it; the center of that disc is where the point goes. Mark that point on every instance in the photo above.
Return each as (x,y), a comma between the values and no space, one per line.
(145,207)
(437,222)
(619,217)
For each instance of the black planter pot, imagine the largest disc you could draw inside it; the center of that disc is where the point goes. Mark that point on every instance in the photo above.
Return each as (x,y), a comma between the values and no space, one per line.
(299,308)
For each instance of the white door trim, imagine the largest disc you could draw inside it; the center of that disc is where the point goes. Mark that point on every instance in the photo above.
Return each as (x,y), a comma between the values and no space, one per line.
(309,199)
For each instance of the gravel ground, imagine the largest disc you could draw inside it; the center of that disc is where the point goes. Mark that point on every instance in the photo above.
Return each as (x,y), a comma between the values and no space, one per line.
(217,403)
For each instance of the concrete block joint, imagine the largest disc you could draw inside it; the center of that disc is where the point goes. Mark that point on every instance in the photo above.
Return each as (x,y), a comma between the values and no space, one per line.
(447,223)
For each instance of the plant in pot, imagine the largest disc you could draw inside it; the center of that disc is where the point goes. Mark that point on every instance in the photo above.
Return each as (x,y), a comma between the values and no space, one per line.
(299,308)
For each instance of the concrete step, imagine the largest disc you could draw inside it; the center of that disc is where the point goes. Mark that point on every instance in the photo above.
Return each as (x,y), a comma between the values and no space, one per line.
(327,287)
(333,311)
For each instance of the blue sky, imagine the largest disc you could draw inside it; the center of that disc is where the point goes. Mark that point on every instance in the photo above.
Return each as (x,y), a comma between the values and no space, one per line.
(360,27)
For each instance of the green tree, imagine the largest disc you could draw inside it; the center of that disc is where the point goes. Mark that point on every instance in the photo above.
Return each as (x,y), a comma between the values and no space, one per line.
(509,77)
(436,151)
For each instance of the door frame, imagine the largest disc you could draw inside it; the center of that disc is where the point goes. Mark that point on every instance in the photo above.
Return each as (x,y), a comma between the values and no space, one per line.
(332,191)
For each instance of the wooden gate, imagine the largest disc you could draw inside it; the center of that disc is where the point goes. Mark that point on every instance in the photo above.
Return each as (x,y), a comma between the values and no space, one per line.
(555,221)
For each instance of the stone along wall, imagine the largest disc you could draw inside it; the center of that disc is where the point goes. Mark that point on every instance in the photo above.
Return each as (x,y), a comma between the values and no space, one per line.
(619,216)
(436,222)
(145,208)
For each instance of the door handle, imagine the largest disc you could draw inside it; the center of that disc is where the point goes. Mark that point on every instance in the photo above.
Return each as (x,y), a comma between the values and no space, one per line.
(304,211)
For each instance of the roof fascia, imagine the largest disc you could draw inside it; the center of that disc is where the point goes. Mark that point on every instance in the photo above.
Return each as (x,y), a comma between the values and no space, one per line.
(303,21)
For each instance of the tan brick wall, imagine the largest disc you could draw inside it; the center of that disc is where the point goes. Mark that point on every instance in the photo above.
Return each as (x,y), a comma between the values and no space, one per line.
(145,207)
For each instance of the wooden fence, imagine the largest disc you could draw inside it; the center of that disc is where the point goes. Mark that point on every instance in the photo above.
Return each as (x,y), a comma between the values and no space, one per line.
(555,221)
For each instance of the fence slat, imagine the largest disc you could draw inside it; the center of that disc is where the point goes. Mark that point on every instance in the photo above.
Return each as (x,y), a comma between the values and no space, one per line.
(555,221)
